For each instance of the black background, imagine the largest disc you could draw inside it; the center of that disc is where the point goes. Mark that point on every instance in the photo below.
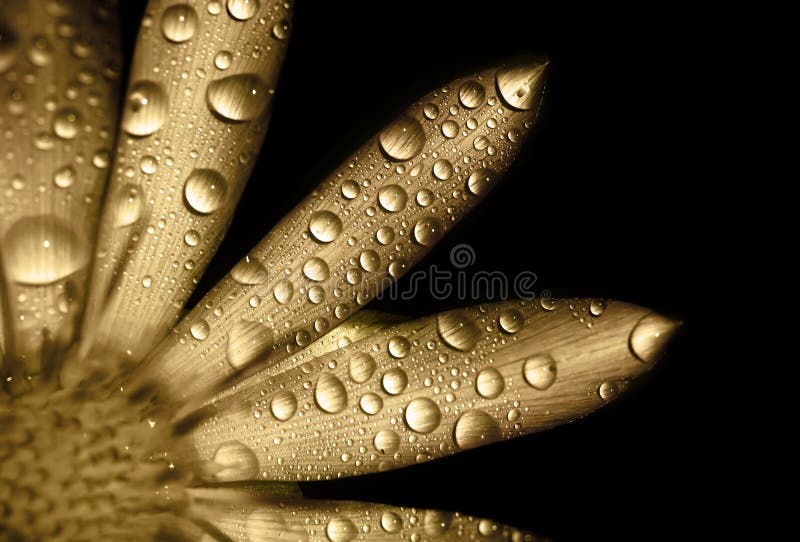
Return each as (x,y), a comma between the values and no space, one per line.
(597,205)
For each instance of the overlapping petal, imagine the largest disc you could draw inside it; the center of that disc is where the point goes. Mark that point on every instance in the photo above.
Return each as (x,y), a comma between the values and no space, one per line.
(357,232)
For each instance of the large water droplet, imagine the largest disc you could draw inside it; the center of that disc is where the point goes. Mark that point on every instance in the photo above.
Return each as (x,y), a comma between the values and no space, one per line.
(521,86)
(316,269)
(650,336)
(472,94)
(247,342)
(243,9)
(325,226)
(223,60)
(449,129)
(283,291)
(234,461)
(422,415)
(238,98)
(475,428)
(146,109)
(540,371)
(392,198)
(281,30)
(369,260)
(458,330)
(607,391)
(66,123)
(341,530)
(511,320)
(399,346)
(403,139)
(386,441)
(179,23)
(597,307)
(64,177)
(391,522)
(199,329)
(43,249)
(437,522)
(428,231)
(480,181)
(489,383)
(371,403)
(249,271)
(205,190)
(394,381)
(283,405)
(442,169)
(361,367)
(330,394)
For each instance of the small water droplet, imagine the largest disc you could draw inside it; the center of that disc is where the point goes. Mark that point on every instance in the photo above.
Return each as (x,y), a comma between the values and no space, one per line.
(248,341)
(392,198)
(223,60)
(361,367)
(148,164)
(325,226)
(489,383)
(540,371)
(66,123)
(243,9)
(330,394)
(475,428)
(192,238)
(146,109)
(422,415)
(394,381)
(386,442)
(249,271)
(238,98)
(471,94)
(205,190)
(64,177)
(147,281)
(179,22)
(403,139)
(200,330)
(40,52)
(283,405)
(458,330)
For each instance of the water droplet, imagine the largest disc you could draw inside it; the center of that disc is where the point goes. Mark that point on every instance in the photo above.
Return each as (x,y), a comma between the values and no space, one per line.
(597,307)
(200,330)
(148,164)
(66,123)
(391,522)
(350,189)
(223,60)
(341,530)
(511,320)
(431,111)
(283,291)
(192,238)
(472,94)
(548,303)
(437,522)
(403,139)
(234,461)
(205,190)
(243,9)
(281,30)
(489,383)
(361,368)
(179,23)
(458,330)
(607,391)
(442,169)
(316,294)
(475,428)
(369,261)
(392,198)
(9,46)
(428,231)
(425,197)
(41,51)
(540,371)
(248,341)
(386,442)
(266,526)
(325,226)
(480,181)
(394,381)
(146,109)
(487,527)
(249,271)
(64,177)
(371,403)
(399,347)
(238,98)
(385,235)
(283,405)
(650,336)
(147,281)
(43,249)
(316,269)
(422,415)
(521,86)
(480,143)
(449,129)
(330,394)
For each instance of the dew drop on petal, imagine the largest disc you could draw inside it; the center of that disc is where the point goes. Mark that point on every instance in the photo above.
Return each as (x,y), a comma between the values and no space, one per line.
(428,231)
(480,181)
(391,522)
(471,94)
(283,405)
(146,109)
(248,341)
(511,321)
(325,226)
(249,271)
(422,415)
(361,367)
(179,23)
(489,383)
(200,330)
(386,441)
(330,394)
(540,371)
(243,9)
(403,139)
(234,461)
(475,428)
(394,381)
(316,269)
(205,190)
(341,530)
(399,347)
(238,98)
(392,198)
(458,330)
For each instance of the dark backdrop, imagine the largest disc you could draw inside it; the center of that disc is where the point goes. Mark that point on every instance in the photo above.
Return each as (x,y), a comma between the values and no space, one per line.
(597,205)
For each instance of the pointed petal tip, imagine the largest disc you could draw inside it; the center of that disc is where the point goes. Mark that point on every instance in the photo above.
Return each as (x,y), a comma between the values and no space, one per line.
(521,85)
(651,337)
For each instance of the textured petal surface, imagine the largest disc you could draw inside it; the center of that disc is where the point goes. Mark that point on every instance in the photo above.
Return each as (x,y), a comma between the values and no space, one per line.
(433,387)
(59,79)
(195,114)
(354,235)
(333,521)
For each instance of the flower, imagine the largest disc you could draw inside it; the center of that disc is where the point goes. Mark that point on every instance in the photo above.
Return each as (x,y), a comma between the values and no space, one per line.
(120,420)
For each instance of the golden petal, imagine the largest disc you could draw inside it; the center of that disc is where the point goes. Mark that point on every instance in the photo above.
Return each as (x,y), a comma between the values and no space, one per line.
(525,366)
(356,234)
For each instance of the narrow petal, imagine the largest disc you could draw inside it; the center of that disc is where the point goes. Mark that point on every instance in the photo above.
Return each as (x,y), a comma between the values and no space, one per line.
(59,79)
(194,118)
(345,521)
(358,231)
(433,387)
